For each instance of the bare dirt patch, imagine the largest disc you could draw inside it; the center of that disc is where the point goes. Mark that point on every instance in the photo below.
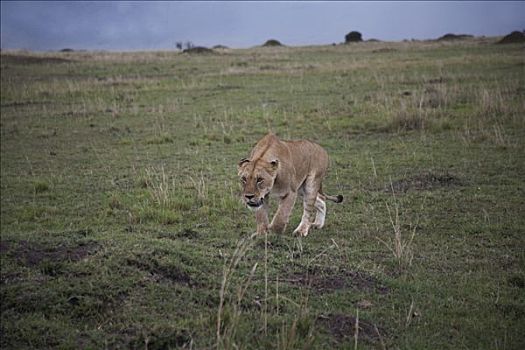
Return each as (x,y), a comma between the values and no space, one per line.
(344,327)
(424,181)
(33,253)
(186,233)
(158,338)
(159,271)
(329,281)
(4,247)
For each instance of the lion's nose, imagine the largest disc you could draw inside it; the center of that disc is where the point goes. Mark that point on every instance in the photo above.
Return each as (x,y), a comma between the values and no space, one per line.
(249,196)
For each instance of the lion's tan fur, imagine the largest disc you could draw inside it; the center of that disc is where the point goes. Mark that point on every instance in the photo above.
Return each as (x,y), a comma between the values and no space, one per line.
(284,169)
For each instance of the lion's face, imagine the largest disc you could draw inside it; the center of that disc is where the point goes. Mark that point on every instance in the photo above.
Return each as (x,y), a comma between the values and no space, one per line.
(257,180)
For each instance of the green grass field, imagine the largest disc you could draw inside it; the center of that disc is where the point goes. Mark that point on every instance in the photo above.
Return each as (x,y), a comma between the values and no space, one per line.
(121,224)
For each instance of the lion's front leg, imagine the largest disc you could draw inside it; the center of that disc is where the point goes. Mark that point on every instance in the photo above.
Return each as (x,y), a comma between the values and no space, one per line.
(281,217)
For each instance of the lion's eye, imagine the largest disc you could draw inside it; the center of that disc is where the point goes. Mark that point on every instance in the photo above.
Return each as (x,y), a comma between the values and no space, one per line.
(243,179)
(260,180)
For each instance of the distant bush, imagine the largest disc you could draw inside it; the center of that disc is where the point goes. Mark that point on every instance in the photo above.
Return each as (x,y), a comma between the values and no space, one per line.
(451,36)
(353,37)
(220,47)
(67,50)
(272,42)
(514,37)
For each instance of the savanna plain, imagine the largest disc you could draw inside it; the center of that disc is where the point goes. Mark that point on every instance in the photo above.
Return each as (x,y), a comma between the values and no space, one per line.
(122,227)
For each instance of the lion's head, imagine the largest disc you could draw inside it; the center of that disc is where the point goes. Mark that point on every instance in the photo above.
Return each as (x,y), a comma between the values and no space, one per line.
(257,179)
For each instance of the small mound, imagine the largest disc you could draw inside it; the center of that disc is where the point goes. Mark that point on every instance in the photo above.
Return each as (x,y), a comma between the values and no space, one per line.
(198,50)
(220,47)
(272,42)
(450,36)
(513,38)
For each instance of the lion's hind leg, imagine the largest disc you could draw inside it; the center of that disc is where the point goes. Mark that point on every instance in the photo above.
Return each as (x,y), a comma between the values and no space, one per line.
(311,191)
(320,206)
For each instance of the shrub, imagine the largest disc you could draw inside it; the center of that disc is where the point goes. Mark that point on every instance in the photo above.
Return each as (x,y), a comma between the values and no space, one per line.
(353,37)
(272,42)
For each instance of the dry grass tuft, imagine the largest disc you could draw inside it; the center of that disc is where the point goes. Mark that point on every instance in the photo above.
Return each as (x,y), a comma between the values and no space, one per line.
(226,331)
(400,245)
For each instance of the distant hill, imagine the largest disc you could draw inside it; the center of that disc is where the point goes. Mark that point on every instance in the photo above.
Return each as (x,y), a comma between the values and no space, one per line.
(512,38)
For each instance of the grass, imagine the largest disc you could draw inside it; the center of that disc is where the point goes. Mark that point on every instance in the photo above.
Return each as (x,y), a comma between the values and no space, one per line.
(399,245)
(121,225)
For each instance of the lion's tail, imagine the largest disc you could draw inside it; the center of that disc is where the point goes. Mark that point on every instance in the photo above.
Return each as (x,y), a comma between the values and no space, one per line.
(335,199)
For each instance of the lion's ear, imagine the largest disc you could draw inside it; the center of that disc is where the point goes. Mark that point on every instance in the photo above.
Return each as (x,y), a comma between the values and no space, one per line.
(275,164)
(242,161)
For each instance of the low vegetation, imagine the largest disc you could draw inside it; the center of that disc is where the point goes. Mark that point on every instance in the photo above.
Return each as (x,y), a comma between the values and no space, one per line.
(121,225)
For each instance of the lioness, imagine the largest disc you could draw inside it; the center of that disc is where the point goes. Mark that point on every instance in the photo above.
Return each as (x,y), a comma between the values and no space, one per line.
(285,169)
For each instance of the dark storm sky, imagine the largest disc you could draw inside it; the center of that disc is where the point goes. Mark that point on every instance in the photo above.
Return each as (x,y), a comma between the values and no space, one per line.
(140,25)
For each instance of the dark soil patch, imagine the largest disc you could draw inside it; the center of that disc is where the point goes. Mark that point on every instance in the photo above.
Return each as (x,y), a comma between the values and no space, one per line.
(517,281)
(450,36)
(4,247)
(329,281)
(439,80)
(171,273)
(24,103)
(513,38)
(22,59)
(32,253)
(425,181)
(343,327)
(158,338)
(186,233)
(198,50)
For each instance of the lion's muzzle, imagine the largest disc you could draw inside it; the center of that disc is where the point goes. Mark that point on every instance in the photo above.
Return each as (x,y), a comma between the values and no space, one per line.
(252,202)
